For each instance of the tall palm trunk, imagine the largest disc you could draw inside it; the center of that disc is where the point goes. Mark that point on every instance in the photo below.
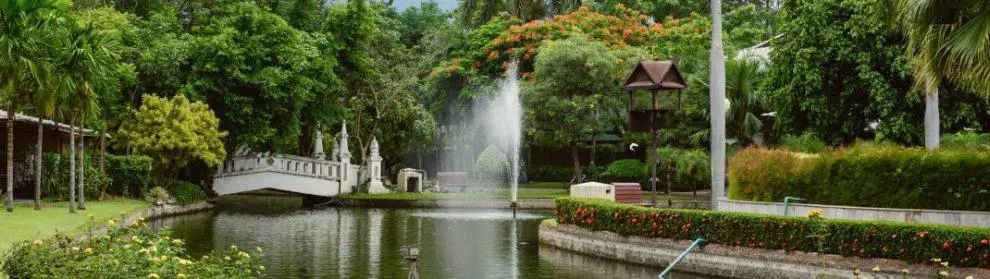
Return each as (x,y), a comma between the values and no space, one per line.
(932,121)
(82,162)
(10,159)
(72,165)
(716,100)
(38,164)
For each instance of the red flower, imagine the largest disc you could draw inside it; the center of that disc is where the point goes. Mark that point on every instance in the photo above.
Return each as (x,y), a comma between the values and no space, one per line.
(985,242)
(945,246)
(654,225)
(922,234)
(616,214)
(969,248)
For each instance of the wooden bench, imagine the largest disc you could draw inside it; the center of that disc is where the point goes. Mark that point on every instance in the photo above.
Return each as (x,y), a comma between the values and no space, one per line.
(630,193)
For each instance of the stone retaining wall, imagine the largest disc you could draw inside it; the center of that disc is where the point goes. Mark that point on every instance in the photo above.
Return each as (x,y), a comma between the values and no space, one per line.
(155,212)
(546,204)
(948,217)
(727,261)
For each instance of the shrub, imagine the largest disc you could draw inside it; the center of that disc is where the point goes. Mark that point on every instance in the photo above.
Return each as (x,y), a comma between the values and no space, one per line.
(807,143)
(966,140)
(492,165)
(550,173)
(131,252)
(865,175)
(688,169)
(131,174)
(157,194)
(186,192)
(962,246)
(625,170)
(55,180)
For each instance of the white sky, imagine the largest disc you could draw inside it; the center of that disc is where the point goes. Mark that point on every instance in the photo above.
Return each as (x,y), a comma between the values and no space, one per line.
(403,4)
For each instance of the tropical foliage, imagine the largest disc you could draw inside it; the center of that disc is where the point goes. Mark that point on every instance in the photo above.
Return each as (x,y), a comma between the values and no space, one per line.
(131,251)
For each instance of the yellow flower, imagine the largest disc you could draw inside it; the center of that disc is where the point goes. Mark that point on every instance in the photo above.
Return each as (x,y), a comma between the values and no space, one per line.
(945,264)
(184,261)
(75,249)
(856,272)
(261,267)
(112,223)
(936,260)
(943,273)
(91,216)
(205,257)
(38,242)
(143,251)
(876,269)
(177,241)
(233,247)
(163,258)
(180,275)
(969,277)
(226,258)
(136,239)
(243,255)
(815,213)
(88,250)
(153,276)
(258,248)
(905,271)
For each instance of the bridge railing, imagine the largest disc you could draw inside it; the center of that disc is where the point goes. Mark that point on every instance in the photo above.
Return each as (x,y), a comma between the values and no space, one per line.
(289,164)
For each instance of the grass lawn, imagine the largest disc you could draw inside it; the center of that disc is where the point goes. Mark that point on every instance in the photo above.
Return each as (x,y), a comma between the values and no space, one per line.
(25,223)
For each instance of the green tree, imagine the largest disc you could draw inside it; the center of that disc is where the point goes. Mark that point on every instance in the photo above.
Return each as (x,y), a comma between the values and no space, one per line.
(174,132)
(26,32)
(839,73)
(571,78)
(946,42)
(474,13)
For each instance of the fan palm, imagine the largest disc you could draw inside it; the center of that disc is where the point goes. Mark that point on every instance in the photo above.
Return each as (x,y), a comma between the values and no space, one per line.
(85,66)
(746,103)
(25,41)
(947,41)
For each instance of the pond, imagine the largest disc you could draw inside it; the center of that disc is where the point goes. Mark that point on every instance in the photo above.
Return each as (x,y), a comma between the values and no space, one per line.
(341,242)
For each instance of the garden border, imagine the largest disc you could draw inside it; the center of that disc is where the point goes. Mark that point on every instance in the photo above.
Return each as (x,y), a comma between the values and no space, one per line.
(947,217)
(724,261)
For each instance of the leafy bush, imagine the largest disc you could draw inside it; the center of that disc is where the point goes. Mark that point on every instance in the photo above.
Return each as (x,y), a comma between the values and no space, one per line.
(966,140)
(865,175)
(131,252)
(55,179)
(688,169)
(625,170)
(962,246)
(550,173)
(157,194)
(131,174)
(492,165)
(807,143)
(186,192)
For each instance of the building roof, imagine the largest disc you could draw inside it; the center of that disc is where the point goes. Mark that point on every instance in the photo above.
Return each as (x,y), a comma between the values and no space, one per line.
(655,75)
(57,125)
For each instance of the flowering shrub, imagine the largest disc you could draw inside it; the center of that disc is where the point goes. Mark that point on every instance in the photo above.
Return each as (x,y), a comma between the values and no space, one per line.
(862,175)
(960,246)
(124,252)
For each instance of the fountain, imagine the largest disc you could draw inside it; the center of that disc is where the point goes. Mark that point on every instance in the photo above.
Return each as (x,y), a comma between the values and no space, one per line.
(505,125)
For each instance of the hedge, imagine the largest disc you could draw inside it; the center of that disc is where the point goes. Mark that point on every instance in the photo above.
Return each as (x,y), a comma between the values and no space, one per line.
(131,174)
(56,176)
(865,175)
(960,246)
(549,173)
(186,192)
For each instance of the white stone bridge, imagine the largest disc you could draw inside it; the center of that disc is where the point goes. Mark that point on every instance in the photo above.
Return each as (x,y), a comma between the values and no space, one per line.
(319,176)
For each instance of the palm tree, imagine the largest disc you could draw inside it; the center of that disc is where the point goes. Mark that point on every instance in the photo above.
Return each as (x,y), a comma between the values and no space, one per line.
(23,34)
(746,103)
(947,41)
(85,66)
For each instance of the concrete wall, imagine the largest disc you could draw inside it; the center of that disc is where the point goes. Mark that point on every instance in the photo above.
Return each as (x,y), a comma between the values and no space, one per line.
(727,261)
(949,217)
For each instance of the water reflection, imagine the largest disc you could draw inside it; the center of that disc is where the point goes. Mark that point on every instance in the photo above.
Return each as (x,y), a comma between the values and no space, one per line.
(366,243)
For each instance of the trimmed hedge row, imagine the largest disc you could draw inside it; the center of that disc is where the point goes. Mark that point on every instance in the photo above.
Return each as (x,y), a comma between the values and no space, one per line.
(865,175)
(131,174)
(961,246)
(186,192)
